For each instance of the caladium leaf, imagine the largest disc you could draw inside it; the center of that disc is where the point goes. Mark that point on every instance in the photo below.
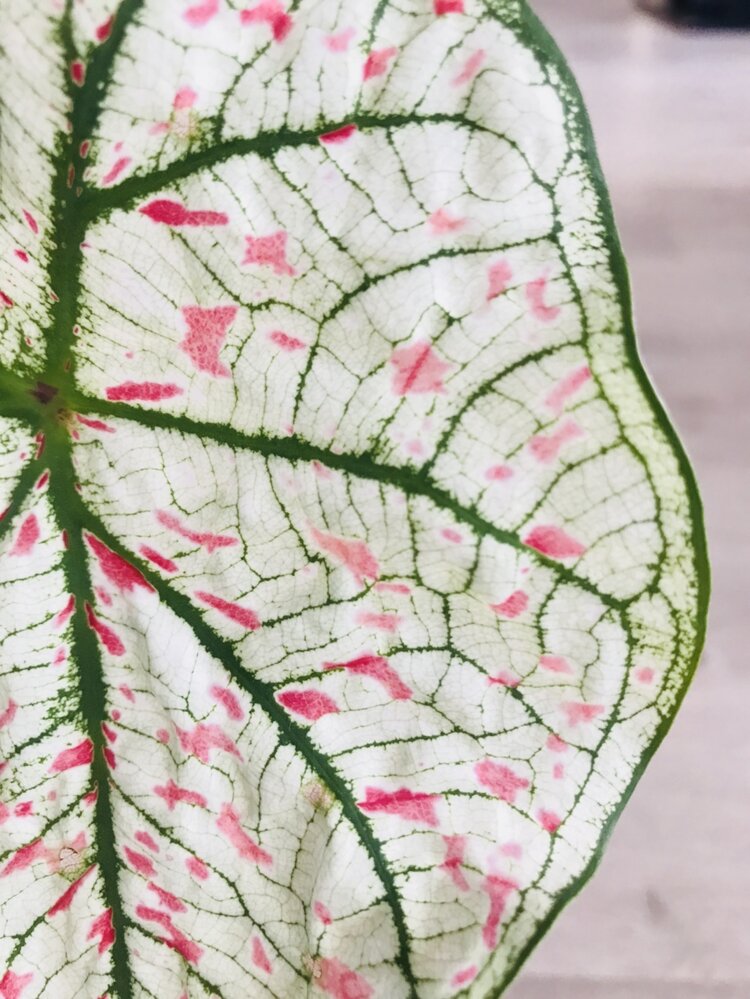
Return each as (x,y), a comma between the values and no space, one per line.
(351,571)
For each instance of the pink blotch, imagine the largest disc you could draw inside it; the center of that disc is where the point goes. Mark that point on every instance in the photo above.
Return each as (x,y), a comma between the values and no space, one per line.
(140,862)
(512,606)
(104,30)
(211,542)
(95,424)
(109,733)
(107,636)
(546,447)
(498,473)
(174,214)
(464,976)
(379,669)
(9,714)
(269,251)
(119,572)
(554,542)
(323,913)
(83,149)
(353,555)
(499,890)
(23,858)
(259,956)
(645,674)
(147,840)
(184,98)
(418,369)
(175,939)
(556,664)
(555,744)
(535,291)
(174,795)
(321,471)
(22,255)
(103,595)
(441,222)
(110,757)
(24,809)
(159,560)
(166,899)
(12,985)
(339,981)
(340,41)
(378,62)
(449,534)
(550,821)
(442,7)
(272,13)
(470,68)
(77,72)
(455,851)
(504,679)
(338,135)
(403,803)
(310,704)
(577,712)
(567,387)
(514,850)
(228,824)
(500,780)
(197,868)
(81,755)
(243,616)
(381,622)
(6,300)
(142,391)
(65,901)
(286,342)
(162,735)
(228,700)
(121,164)
(27,537)
(558,771)
(42,481)
(201,13)
(127,693)
(31,222)
(499,276)
(205,738)
(401,588)
(206,332)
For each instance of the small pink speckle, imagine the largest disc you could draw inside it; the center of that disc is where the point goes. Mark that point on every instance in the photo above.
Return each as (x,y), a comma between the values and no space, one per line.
(12,985)
(229,701)
(77,72)
(205,539)
(286,342)
(107,636)
(175,938)
(535,292)
(309,704)
(201,13)
(9,714)
(31,222)
(353,555)
(339,981)
(577,712)
(418,369)
(240,615)
(323,913)
(499,890)
(102,927)
(550,821)
(555,664)
(504,679)
(116,570)
(197,868)
(470,68)
(203,739)
(567,387)
(172,213)
(378,62)
(116,170)
(379,669)
(228,825)
(455,851)
(269,251)
(449,534)
(139,862)
(22,255)
(27,537)
(147,840)
(512,606)
(338,135)
(184,98)
(499,276)
(142,392)
(159,560)
(174,795)
(645,675)
(166,899)
(403,803)
(206,332)
(99,425)
(379,621)
(546,447)
(340,41)
(513,850)
(5,300)
(464,976)
(127,693)
(104,30)
(162,735)
(554,542)
(401,588)
(498,473)
(500,780)
(442,222)
(555,744)
(442,7)
(269,12)
(558,771)
(259,956)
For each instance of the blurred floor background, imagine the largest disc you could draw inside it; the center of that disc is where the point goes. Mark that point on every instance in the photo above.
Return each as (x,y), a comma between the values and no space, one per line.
(667,916)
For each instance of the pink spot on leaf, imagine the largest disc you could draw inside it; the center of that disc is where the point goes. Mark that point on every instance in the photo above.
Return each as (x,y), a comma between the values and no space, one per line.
(9,714)
(119,572)
(546,447)
(259,956)
(197,868)
(205,738)
(499,890)
(418,369)
(139,862)
(535,291)
(6,300)
(512,606)
(645,675)
(353,555)
(211,542)
(81,755)
(498,473)
(555,744)
(77,72)
(272,13)
(499,276)
(228,824)
(401,588)
(379,669)
(206,332)
(381,622)
(567,387)
(166,899)
(142,391)
(24,857)
(184,98)
(31,222)
(107,636)
(455,850)
(323,913)
(470,68)
(339,981)
(102,927)
(340,41)
(504,679)
(338,135)
(121,164)
(174,214)
(378,61)
(269,251)
(578,712)
(159,560)
(147,840)
(12,985)
(554,542)
(201,13)
(500,780)
(228,700)
(442,222)
(65,901)
(403,803)
(442,7)
(174,795)
(175,938)
(95,424)
(27,537)
(555,664)
(464,976)
(549,820)
(104,30)
(310,704)
(242,616)
(286,342)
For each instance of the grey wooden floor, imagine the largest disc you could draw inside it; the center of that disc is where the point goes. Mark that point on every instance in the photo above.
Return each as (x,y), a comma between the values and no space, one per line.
(668,914)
